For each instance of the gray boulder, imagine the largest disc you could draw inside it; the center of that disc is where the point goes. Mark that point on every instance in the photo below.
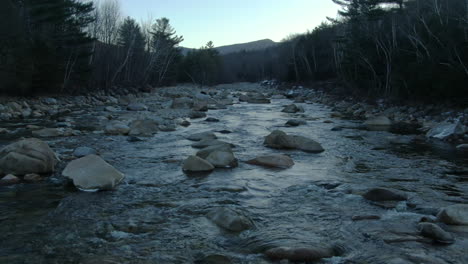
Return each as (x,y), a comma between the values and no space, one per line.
(144,128)
(83,151)
(229,219)
(454,214)
(446,130)
(137,107)
(92,173)
(435,232)
(280,140)
(204,153)
(384,194)
(209,142)
(182,103)
(274,160)
(117,128)
(49,132)
(196,164)
(293,109)
(295,122)
(300,254)
(27,156)
(222,159)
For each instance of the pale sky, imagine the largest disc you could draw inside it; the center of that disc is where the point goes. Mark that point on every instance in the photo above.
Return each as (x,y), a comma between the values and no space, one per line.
(233,21)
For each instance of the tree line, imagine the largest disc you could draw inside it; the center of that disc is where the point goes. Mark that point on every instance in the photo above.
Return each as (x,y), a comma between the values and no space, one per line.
(413,49)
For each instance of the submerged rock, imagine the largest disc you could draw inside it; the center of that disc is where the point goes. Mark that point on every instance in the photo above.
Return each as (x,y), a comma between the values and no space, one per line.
(196,164)
(117,128)
(384,194)
(454,214)
(274,160)
(300,254)
(92,173)
(435,232)
(229,219)
(27,156)
(202,136)
(280,140)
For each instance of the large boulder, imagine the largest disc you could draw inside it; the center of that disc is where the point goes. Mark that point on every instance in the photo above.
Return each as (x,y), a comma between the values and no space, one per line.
(280,140)
(274,160)
(446,130)
(117,128)
(196,164)
(137,107)
(182,103)
(144,128)
(230,219)
(454,214)
(204,153)
(27,156)
(92,173)
(222,159)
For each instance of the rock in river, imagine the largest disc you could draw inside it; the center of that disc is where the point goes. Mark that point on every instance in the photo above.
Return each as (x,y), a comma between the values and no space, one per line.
(384,194)
(137,107)
(117,128)
(27,156)
(300,254)
(83,151)
(222,159)
(435,232)
(144,128)
(377,123)
(230,219)
(274,160)
(280,140)
(295,122)
(293,109)
(196,164)
(446,130)
(454,214)
(204,153)
(9,179)
(201,136)
(92,173)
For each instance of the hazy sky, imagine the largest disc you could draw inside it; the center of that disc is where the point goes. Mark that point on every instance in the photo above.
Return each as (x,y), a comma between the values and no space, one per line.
(233,21)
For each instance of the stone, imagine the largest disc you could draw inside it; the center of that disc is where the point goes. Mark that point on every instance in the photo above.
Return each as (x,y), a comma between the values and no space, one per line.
(204,153)
(49,101)
(27,156)
(196,164)
(384,194)
(274,160)
(212,119)
(300,254)
(229,219)
(209,142)
(296,122)
(365,217)
(200,106)
(185,123)
(32,177)
(137,107)
(83,151)
(197,114)
(144,128)
(49,132)
(111,109)
(117,128)
(254,98)
(379,121)
(167,128)
(446,130)
(454,215)
(182,103)
(202,136)
(292,108)
(435,232)
(214,259)
(222,159)
(3,130)
(92,173)
(280,140)
(462,147)
(9,179)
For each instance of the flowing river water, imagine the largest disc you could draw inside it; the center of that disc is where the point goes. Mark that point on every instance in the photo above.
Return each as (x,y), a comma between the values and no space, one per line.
(158,214)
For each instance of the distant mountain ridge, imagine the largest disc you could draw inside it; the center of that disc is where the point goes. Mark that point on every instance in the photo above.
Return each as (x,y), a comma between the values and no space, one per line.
(248,46)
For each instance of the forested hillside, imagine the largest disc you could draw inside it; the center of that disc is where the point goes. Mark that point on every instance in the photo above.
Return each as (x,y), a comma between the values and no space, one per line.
(414,49)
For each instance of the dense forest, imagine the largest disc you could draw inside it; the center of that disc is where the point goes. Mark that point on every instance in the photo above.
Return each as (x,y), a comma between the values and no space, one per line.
(415,49)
